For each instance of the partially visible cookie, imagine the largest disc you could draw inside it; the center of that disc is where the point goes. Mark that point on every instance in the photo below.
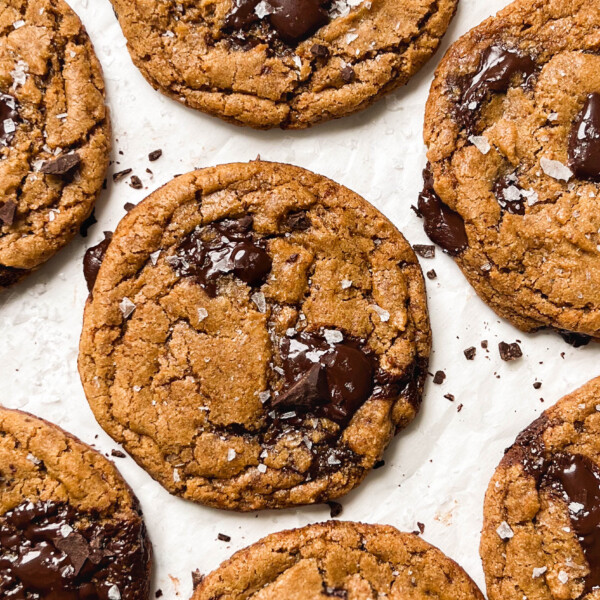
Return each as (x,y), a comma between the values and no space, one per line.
(54,132)
(70,527)
(339,559)
(512,190)
(541,530)
(255,336)
(281,63)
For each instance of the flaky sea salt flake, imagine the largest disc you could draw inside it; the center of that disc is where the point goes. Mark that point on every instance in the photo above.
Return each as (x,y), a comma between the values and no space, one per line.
(333,336)
(539,571)
(481,143)
(384,315)
(563,577)
(202,314)
(114,593)
(259,299)
(127,307)
(555,169)
(504,531)
(231,454)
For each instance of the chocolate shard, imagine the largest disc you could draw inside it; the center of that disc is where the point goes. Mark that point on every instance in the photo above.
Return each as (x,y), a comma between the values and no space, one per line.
(424,250)
(298,221)
(76,548)
(62,165)
(310,390)
(348,74)
(509,352)
(197,578)
(7,212)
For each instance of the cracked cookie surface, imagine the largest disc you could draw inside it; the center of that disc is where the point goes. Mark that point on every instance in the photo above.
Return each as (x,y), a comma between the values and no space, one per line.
(70,527)
(512,128)
(281,63)
(339,559)
(541,530)
(255,336)
(54,132)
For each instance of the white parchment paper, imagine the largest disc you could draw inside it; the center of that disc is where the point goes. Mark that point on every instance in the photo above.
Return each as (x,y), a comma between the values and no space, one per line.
(437,471)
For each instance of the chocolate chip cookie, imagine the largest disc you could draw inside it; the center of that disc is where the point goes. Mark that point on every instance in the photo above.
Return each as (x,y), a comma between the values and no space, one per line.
(54,132)
(512,188)
(255,336)
(70,527)
(339,560)
(281,63)
(541,531)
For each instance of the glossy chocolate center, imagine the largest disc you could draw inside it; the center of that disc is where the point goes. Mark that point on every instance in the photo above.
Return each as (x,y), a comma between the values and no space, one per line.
(584,140)
(45,554)
(226,247)
(444,227)
(292,20)
(9,118)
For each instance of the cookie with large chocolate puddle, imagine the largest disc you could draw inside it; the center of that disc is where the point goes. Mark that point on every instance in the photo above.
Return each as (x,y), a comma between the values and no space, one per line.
(54,133)
(70,527)
(513,133)
(541,531)
(339,559)
(281,63)
(255,336)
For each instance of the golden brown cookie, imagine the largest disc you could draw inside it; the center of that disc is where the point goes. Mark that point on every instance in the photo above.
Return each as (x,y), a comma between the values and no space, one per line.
(513,133)
(541,530)
(70,527)
(339,559)
(281,63)
(54,132)
(255,336)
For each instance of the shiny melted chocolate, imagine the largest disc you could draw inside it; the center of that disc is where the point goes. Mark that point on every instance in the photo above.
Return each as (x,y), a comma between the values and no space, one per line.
(92,259)
(45,554)
(576,479)
(584,140)
(443,226)
(8,114)
(223,248)
(292,20)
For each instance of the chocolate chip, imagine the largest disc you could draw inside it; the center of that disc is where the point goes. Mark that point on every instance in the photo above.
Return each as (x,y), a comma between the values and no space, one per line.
(584,140)
(379,464)
(136,182)
(444,227)
(93,259)
(319,50)
(7,212)
(509,352)
(309,390)
(470,353)
(154,155)
(537,385)
(85,226)
(348,74)
(424,251)
(118,453)
(121,174)
(63,165)
(439,377)
(197,578)
(223,538)
(335,509)
(431,274)
(76,548)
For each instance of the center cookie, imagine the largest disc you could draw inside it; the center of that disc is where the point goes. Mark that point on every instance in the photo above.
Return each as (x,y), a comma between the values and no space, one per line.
(541,530)
(255,336)
(513,131)
(70,527)
(281,63)
(339,560)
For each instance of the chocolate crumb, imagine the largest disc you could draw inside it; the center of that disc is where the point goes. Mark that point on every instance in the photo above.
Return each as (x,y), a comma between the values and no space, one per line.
(136,183)
(128,206)
(484,344)
(470,353)
(537,385)
(459,408)
(509,352)
(431,274)
(121,174)
(379,464)
(439,377)
(319,50)
(154,155)
(421,527)
(223,538)
(348,74)
(158,594)
(424,250)
(118,453)
(335,509)
(197,578)
(450,397)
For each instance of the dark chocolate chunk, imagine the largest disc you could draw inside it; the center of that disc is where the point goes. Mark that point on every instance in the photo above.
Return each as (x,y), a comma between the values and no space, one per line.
(226,247)
(439,377)
(85,226)
(298,221)
(537,385)
(62,165)
(470,353)
(443,226)
(51,550)
(576,479)
(510,352)
(121,174)
(154,155)
(319,51)
(508,195)
(136,183)
(117,453)
(129,206)
(93,259)
(577,340)
(379,464)
(8,113)
(335,509)
(223,538)
(7,212)
(348,74)
(292,20)
(309,390)
(584,140)
(424,251)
